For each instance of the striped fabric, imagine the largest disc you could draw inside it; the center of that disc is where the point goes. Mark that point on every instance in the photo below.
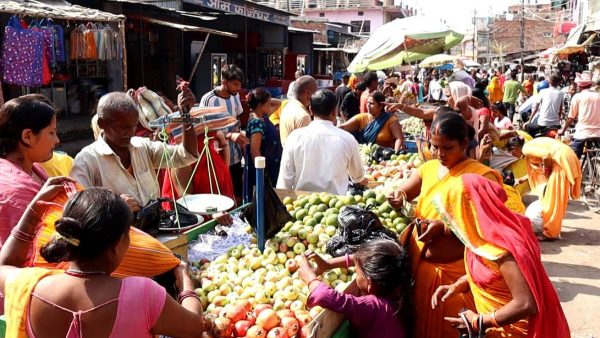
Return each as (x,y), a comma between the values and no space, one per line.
(217,119)
(234,108)
(145,257)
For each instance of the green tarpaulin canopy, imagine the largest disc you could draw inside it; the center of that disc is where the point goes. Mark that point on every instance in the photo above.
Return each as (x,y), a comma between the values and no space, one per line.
(402,41)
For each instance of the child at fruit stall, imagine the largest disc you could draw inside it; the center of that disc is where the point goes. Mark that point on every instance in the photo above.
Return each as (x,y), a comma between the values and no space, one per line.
(383,277)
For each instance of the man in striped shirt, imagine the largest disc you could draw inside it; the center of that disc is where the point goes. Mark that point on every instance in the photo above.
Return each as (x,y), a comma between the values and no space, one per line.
(227,94)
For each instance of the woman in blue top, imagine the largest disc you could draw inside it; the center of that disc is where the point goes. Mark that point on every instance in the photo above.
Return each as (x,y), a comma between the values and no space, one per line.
(263,135)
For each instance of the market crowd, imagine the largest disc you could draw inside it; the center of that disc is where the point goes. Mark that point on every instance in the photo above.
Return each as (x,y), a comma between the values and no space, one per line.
(472,256)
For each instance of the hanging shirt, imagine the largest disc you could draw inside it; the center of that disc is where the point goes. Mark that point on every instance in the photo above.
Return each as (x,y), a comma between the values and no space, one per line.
(235,109)
(98,165)
(319,158)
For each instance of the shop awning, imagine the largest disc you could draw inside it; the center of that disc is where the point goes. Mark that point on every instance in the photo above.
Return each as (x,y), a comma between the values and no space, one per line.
(56,9)
(402,41)
(570,48)
(188,28)
(335,49)
(301,30)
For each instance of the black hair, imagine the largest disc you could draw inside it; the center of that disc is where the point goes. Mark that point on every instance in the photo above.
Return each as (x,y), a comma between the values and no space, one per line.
(370,77)
(541,78)
(451,125)
(387,265)
(445,109)
(232,73)
(378,97)
(480,94)
(499,106)
(516,141)
(93,220)
(555,80)
(323,102)
(361,86)
(257,97)
(25,112)
(508,177)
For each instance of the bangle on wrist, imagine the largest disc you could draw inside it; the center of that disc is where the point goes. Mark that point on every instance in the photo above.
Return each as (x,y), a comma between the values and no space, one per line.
(493,319)
(22,236)
(186,294)
(475,323)
(312,280)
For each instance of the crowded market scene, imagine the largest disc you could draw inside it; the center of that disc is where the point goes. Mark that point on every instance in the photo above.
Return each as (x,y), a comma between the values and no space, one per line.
(275,169)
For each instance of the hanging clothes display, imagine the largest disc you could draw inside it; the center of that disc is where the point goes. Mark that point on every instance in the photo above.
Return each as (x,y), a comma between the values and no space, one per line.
(48,55)
(95,42)
(22,55)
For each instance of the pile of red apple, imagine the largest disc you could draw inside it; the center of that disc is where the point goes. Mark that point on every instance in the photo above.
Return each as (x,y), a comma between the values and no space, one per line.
(240,320)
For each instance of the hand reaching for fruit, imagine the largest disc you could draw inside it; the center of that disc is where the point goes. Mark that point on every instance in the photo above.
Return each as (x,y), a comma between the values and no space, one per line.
(322,265)
(306,272)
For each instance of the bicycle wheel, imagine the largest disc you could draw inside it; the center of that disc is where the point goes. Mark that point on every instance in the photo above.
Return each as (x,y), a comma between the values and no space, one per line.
(590,183)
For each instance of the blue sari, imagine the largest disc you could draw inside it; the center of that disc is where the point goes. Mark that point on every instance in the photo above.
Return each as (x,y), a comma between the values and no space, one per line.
(369,134)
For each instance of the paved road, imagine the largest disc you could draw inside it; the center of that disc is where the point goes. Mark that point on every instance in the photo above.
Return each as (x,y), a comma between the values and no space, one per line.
(573,264)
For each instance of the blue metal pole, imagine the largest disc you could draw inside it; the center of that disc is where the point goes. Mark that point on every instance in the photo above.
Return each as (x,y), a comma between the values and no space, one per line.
(259,164)
(246,188)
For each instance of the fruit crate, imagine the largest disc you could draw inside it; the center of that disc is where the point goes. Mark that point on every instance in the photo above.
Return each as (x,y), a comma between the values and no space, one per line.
(327,324)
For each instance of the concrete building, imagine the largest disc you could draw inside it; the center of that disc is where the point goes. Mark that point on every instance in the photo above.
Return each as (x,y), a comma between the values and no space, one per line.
(363,16)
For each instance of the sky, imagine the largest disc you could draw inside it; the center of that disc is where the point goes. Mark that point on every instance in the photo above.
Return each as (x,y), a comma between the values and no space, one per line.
(458,13)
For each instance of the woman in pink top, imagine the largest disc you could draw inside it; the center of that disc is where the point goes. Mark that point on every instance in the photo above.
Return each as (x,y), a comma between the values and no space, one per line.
(27,137)
(382,275)
(85,300)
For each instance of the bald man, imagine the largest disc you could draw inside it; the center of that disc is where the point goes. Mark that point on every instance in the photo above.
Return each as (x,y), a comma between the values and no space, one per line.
(127,164)
(295,114)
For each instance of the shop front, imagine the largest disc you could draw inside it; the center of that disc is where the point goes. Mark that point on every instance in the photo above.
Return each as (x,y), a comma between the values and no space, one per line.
(75,54)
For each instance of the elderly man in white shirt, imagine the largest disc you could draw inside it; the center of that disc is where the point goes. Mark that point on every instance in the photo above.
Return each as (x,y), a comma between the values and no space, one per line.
(321,157)
(126,164)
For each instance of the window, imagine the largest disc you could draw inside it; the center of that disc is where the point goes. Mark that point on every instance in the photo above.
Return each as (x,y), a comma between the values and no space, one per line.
(361,13)
(547,34)
(321,14)
(357,25)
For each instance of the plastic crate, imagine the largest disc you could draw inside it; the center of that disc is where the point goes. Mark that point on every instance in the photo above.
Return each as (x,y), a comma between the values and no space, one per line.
(411,146)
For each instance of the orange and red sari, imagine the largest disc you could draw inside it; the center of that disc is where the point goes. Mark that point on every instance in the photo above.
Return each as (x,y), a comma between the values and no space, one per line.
(474,209)
(430,323)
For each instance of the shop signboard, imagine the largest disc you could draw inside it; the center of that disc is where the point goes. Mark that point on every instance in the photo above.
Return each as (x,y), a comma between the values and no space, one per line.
(244,9)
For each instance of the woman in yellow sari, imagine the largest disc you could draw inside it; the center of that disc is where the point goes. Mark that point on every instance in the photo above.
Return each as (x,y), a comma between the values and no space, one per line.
(554,174)
(440,261)
(495,90)
(504,272)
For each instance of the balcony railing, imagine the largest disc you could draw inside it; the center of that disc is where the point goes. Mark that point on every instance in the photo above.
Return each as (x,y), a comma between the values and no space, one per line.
(297,5)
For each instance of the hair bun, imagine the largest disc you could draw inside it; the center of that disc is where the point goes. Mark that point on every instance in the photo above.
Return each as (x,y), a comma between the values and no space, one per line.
(69,227)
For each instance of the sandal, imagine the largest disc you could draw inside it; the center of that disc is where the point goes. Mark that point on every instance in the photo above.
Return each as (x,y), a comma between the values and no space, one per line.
(543,238)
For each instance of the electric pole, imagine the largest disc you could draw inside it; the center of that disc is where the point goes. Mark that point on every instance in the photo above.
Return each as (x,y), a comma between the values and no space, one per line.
(475,35)
(522,40)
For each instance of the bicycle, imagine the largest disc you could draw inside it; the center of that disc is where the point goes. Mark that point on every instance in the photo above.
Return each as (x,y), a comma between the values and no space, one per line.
(590,170)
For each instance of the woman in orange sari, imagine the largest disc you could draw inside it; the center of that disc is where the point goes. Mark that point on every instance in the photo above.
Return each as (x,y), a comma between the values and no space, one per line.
(504,272)
(439,261)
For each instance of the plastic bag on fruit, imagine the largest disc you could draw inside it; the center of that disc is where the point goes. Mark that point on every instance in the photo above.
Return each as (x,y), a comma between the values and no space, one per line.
(356,226)
(276,214)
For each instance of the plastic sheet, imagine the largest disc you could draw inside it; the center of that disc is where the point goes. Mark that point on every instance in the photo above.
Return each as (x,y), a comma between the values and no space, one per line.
(211,245)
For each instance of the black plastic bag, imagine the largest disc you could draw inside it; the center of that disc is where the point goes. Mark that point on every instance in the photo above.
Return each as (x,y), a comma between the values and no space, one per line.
(385,154)
(356,226)
(152,216)
(276,214)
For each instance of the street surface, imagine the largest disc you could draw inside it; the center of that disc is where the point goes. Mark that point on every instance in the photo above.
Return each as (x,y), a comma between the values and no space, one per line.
(573,265)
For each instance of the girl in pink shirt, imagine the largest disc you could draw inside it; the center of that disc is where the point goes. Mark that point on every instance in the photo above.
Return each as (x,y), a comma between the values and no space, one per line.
(384,280)
(500,119)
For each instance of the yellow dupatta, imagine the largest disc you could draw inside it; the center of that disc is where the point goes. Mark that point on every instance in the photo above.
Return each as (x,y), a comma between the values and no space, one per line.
(564,181)
(430,323)
(17,292)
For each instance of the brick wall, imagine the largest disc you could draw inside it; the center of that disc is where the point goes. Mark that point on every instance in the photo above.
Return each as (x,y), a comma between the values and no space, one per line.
(538,35)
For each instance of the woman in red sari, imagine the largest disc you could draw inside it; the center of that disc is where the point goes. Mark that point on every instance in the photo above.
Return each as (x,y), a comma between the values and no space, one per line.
(513,294)
(207,179)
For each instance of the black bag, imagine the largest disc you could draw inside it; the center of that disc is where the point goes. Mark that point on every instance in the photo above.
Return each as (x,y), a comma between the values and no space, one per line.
(356,226)
(276,214)
(152,216)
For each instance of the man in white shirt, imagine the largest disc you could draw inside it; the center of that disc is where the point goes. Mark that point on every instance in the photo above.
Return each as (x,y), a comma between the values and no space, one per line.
(320,157)
(585,108)
(127,164)
(295,114)
(549,108)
